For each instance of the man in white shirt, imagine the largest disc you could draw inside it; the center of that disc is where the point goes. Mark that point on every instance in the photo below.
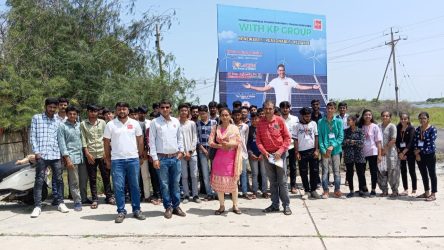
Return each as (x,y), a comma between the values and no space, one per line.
(291,121)
(123,144)
(166,149)
(282,86)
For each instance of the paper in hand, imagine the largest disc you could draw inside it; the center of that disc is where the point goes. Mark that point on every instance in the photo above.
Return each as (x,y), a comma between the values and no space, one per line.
(272,160)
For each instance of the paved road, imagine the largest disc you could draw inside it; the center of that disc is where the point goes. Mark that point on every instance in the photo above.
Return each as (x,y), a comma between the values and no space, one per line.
(378,223)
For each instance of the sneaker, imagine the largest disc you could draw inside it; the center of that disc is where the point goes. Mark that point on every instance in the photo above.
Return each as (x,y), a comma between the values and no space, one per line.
(350,195)
(120,217)
(138,215)
(62,208)
(325,195)
(186,199)
(372,194)
(305,196)
(36,212)
(196,199)
(315,195)
(287,210)
(363,194)
(271,209)
(78,207)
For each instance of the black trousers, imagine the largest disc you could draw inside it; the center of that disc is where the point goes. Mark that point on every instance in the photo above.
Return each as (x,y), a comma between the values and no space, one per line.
(106,178)
(427,167)
(309,163)
(292,165)
(410,162)
(373,164)
(154,181)
(360,171)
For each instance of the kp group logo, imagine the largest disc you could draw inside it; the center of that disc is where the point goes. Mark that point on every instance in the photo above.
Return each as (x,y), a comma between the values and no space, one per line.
(243,66)
(317,24)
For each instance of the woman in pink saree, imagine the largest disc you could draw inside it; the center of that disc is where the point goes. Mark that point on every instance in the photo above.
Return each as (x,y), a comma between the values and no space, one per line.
(227,164)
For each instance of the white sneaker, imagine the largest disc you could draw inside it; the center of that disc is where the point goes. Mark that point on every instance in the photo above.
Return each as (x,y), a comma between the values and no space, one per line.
(305,196)
(62,208)
(36,212)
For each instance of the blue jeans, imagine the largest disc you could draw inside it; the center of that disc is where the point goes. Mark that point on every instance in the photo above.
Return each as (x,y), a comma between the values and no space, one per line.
(256,167)
(130,169)
(40,172)
(205,173)
(169,175)
(334,161)
(244,177)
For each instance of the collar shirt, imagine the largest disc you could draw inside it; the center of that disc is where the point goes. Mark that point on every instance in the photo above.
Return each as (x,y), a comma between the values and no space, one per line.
(272,136)
(243,129)
(44,136)
(70,142)
(123,138)
(189,135)
(92,137)
(165,137)
(291,122)
(344,120)
(204,130)
(330,133)
(61,119)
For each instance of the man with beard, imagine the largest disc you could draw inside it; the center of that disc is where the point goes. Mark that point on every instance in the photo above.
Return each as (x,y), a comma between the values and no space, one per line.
(124,152)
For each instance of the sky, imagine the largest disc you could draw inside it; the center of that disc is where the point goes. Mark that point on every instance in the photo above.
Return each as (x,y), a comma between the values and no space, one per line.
(356,50)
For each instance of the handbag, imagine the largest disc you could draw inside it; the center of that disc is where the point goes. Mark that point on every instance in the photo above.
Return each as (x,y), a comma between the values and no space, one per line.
(212,151)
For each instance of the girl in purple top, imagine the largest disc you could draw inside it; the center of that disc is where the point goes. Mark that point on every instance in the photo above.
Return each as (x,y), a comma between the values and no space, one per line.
(372,146)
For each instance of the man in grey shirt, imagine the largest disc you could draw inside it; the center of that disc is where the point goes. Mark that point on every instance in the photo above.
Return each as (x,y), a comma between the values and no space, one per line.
(189,161)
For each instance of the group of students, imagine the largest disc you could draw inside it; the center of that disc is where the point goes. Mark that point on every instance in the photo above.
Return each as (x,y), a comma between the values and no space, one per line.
(164,159)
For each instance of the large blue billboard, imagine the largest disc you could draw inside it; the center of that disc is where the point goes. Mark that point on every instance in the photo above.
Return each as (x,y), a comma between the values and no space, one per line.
(254,42)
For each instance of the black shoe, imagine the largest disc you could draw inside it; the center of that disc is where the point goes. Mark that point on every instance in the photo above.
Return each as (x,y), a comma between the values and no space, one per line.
(120,217)
(372,194)
(196,199)
(138,215)
(287,210)
(350,195)
(271,209)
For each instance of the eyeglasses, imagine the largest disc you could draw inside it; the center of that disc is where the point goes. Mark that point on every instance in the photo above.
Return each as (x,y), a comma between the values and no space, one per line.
(164,107)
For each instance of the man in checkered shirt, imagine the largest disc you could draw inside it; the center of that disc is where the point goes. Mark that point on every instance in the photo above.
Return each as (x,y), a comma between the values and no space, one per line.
(47,153)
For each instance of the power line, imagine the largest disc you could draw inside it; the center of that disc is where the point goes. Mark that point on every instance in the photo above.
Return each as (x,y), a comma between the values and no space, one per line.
(357,52)
(356,37)
(354,45)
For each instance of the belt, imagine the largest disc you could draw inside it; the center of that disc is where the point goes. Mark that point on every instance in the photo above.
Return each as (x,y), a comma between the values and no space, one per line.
(160,155)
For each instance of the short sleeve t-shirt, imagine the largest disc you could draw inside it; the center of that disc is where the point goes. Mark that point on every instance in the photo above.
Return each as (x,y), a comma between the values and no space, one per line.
(282,88)
(373,135)
(123,138)
(305,134)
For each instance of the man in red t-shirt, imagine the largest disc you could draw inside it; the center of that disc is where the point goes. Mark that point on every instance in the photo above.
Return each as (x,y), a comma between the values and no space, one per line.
(273,140)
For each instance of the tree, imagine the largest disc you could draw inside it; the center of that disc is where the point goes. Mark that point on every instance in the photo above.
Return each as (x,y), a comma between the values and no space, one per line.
(80,49)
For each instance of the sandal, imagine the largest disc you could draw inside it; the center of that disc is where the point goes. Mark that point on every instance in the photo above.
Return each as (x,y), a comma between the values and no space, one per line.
(94,205)
(220,211)
(111,201)
(422,196)
(431,198)
(237,210)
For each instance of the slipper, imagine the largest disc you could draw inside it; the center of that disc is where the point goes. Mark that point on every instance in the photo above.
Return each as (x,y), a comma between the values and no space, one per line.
(430,198)
(220,211)
(237,210)
(422,196)
(94,205)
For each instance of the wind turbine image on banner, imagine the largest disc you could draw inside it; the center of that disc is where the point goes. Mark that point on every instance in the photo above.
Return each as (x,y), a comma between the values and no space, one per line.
(226,60)
(315,58)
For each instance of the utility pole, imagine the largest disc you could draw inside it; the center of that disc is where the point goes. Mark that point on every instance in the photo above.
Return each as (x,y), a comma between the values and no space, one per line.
(393,41)
(159,52)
